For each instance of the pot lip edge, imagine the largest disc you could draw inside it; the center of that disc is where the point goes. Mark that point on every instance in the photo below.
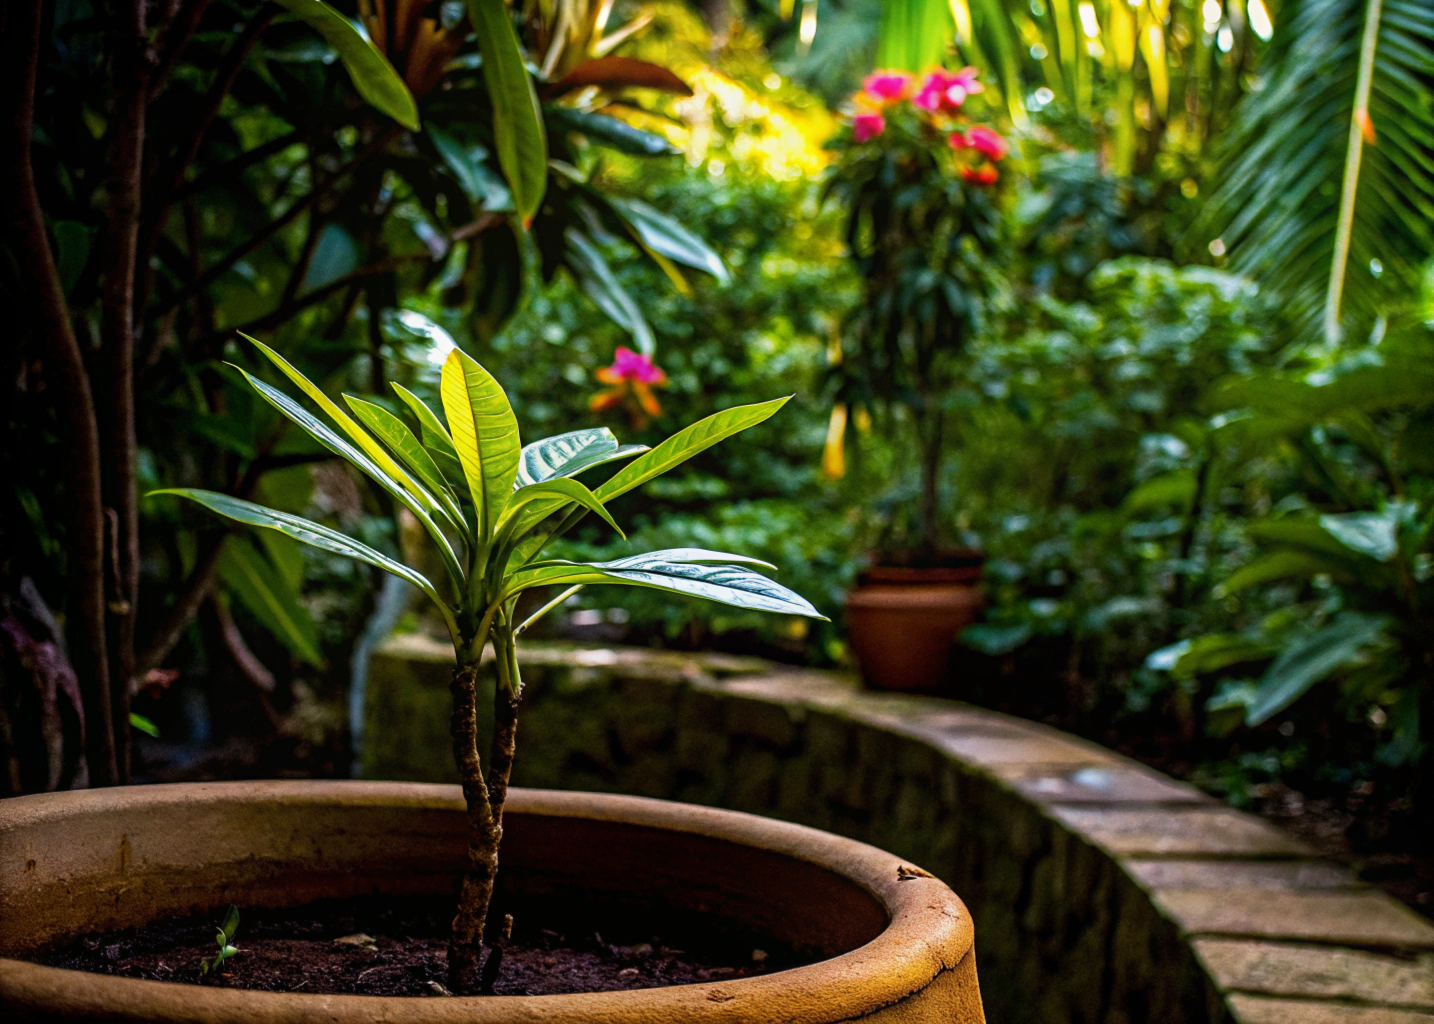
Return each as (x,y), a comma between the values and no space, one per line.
(925,919)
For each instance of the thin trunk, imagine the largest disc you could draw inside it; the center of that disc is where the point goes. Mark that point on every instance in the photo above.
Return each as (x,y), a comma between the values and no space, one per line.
(465,944)
(485,800)
(64,364)
(134,63)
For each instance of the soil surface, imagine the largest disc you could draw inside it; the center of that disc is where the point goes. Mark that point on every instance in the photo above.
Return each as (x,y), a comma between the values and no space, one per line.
(398,947)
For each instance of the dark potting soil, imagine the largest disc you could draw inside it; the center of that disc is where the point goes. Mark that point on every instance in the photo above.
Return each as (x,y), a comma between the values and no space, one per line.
(398,947)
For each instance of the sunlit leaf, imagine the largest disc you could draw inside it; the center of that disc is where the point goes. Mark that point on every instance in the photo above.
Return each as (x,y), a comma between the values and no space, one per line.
(485,435)
(519,134)
(373,76)
(571,453)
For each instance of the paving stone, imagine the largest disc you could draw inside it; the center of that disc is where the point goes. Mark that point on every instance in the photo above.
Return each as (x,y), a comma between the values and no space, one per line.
(1185,831)
(1285,969)
(1367,918)
(997,745)
(1240,874)
(1263,1010)
(1102,784)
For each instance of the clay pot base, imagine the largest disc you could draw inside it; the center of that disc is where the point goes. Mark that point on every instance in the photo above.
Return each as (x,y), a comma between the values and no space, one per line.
(398,947)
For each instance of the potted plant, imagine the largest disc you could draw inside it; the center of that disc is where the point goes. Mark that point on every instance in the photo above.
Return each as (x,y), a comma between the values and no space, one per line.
(916,178)
(490,506)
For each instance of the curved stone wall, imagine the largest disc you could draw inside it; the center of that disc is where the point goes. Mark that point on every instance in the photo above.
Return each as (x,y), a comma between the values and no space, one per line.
(1101,891)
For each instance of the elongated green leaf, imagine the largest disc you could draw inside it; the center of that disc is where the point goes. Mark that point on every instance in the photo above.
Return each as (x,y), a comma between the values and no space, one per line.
(571,453)
(678,448)
(361,437)
(563,490)
(1342,644)
(339,446)
(230,927)
(671,238)
(302,530)
(1210,653)
(610,132)
(519,134)
(485,434)
(732,585)
(600,284)
(1286,563)
(686,443)
(435,434)
(373,76)
(249,576)
(693,556)
(398,437)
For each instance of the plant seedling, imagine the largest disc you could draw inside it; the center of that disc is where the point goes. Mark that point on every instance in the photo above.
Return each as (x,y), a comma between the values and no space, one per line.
(490,505)
(222,938)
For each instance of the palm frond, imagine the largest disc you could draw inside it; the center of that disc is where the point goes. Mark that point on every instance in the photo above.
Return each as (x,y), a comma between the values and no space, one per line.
(1276,209)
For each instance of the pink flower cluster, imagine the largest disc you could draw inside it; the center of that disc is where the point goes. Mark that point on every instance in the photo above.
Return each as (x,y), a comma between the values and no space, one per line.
(939,94)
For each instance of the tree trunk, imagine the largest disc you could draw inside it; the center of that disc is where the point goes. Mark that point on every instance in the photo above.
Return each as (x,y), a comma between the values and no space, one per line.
(134,63)
(484,800)
(64,365)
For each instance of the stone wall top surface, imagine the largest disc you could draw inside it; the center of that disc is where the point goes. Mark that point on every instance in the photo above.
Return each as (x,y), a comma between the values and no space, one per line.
(1072,858)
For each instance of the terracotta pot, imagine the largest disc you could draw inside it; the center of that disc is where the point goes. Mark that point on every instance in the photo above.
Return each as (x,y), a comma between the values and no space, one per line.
(898,942)
(902,623)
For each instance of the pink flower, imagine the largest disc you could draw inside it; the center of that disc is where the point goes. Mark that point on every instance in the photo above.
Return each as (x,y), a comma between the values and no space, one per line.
(634,366)
(883,87)
(986,174)
(982,140)
(867,125)
(947,91)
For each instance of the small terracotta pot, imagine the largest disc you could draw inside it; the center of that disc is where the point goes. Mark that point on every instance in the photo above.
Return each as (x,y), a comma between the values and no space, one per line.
(902,623)
(898,942)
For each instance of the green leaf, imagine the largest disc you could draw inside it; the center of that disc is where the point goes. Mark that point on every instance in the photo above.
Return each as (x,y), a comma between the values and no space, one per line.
(518,131)
(485,435)
(1209,653)
(610,132)
(1372,534)
(302,530)
(361,437)
(398,437)
(249,576)
(686,443)
(725,584)
(996,638)
(571,453)
(1342,644)
(600,284)
(405,495)
(480,183)
(143,724)
(565,491)
(663,234)
(1286,563)
(1176,488)
(230,927)
(435,435)
(373,76)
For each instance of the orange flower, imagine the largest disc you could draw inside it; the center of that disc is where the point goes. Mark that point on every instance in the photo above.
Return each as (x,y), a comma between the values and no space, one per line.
(631,377)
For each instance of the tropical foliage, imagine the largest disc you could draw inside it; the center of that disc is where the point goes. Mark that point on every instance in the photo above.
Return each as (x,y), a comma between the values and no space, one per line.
(490,506)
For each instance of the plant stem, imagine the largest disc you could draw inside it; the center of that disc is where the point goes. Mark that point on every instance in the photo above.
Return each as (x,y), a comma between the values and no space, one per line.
(1359,119)
(480,867)
(64,363)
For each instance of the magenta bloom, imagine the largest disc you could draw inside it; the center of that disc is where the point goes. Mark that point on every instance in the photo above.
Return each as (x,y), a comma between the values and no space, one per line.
(982,140)
(634,366)
(883,87)
(946,91)
(867,125)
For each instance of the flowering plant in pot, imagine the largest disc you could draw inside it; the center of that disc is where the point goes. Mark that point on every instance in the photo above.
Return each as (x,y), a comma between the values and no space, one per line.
(918,179)
(490,506)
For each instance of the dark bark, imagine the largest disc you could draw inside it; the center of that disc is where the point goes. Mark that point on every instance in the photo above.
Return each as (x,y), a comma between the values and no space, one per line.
(134,64)
(268,231)
(465,944)
(195,591)
(64,364)
(176,37)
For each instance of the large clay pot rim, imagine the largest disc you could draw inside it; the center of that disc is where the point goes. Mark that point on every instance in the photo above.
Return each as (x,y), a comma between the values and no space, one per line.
(929,931)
